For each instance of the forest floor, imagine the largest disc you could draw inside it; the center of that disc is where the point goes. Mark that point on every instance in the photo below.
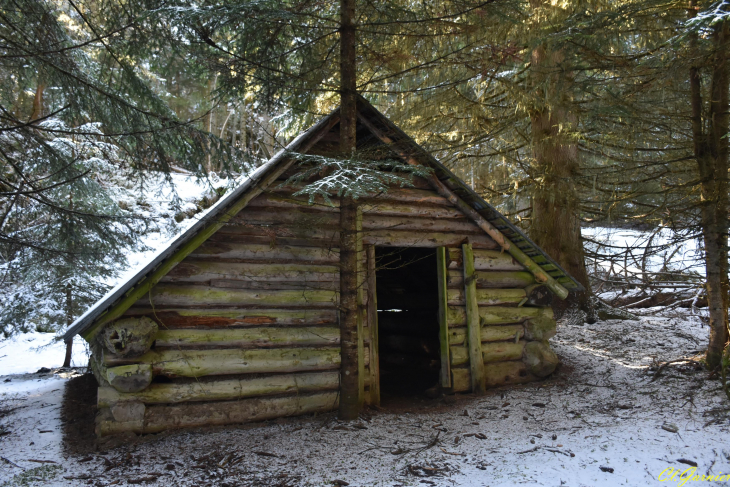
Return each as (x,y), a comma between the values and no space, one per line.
(613,414)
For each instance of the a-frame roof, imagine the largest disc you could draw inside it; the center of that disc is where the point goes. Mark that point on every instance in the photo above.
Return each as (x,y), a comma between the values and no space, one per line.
(374,129)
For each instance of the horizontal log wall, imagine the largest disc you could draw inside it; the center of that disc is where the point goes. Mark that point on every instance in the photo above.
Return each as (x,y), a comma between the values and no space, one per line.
(501,296)
(249,319)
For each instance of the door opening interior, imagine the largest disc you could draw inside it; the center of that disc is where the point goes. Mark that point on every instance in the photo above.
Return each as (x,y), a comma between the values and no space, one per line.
(408,324)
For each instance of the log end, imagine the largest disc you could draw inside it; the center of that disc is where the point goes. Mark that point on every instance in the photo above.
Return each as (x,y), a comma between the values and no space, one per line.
(129,337)
(538,295)
(540,360)
(540,328)
(129,378)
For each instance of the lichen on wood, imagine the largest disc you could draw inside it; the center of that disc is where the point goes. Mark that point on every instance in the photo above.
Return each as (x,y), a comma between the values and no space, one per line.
(129,337)
(129,378)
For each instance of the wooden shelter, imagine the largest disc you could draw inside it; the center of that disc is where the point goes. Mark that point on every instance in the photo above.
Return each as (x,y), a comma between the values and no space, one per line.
(237,320)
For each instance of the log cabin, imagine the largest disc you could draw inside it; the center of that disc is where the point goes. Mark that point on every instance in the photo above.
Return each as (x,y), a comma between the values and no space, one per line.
(237,319)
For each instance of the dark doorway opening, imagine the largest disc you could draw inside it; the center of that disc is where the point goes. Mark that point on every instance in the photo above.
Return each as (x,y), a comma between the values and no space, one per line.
(408,328)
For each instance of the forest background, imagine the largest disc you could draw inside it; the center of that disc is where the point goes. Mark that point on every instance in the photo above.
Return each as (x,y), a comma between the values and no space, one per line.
(565,115)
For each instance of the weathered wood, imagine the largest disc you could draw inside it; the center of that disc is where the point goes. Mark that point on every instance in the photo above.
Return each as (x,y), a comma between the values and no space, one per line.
(199,363)
(198,239)
(540,359)
(372,315)
(491,333)
(232,317)
(223,390)
(443,322)
(251,337)
(159,418)
(387,238)
(487,297)
(129,337)
(540,328)
(308,217)
(278,253)
(495,375)
(129,378)
(409,238)
(197,295)
(474,342)
(538,295)
(460,379)
(275,285)
(490,352)
(486,260)
(386,208)
(540,275)
(401,195)
(496,315)
(321,215)
(492,279)
(274,232)
(192,270)
(503,373)
(381,222)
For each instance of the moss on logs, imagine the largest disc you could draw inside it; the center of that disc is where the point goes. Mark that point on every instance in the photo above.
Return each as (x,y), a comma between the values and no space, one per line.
(219,318)
(223,390)
(540,359)
(319,336)
(162,417)
(129,378)
(192,295)
(199,363)
(487,297)
(492,333)
(495,375)
(491,352)
(495,315)
(486,260)
(493,279)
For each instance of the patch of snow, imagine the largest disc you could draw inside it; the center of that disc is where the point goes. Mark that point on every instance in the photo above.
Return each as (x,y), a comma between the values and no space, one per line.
(606,418)
(28,352)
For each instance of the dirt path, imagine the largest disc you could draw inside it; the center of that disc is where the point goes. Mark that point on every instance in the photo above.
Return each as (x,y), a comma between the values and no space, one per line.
(610,416)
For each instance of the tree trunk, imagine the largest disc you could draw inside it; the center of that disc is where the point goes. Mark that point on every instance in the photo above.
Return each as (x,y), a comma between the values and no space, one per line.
(69,321)
(711,154)
(350,398)
(555,223)
(38,102)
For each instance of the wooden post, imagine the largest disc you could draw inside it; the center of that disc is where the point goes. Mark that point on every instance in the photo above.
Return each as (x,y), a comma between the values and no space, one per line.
(350,312)
(373,326)
(350,227)
(474,334)
(441,262)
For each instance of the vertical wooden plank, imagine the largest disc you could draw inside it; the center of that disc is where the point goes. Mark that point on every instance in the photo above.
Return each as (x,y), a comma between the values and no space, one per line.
(351,346)
(372,305)
(476,361)
(442,263)
(361,276)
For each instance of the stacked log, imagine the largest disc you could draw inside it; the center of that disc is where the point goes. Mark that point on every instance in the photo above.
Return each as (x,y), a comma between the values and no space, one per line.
(515,321)
(245,327)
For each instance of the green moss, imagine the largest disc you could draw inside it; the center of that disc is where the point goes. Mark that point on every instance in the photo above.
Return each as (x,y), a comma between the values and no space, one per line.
(34,476)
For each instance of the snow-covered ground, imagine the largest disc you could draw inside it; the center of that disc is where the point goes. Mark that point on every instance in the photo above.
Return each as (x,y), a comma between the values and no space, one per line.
(28,352)
(610,416)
